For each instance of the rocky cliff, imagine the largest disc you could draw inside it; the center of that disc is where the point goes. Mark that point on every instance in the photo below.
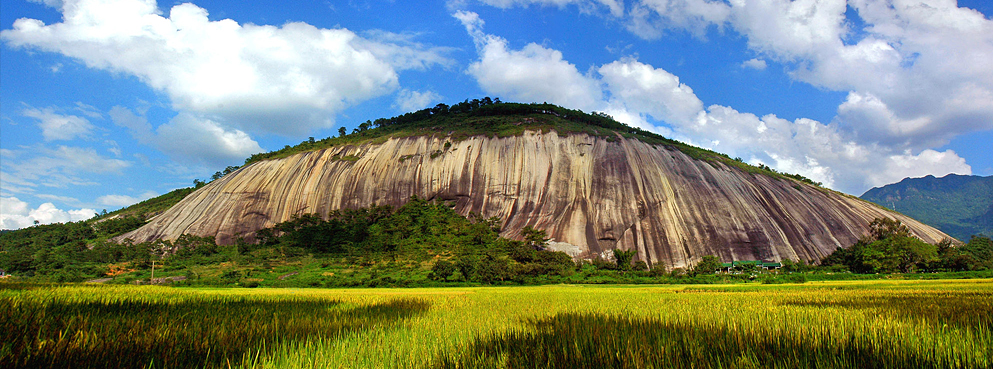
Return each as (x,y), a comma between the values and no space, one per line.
(590,194)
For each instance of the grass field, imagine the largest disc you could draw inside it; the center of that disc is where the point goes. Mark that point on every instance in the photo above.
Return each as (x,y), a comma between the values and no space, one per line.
(837,324)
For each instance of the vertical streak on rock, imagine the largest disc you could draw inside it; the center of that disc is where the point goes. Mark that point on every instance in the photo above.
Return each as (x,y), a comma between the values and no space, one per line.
(591,193)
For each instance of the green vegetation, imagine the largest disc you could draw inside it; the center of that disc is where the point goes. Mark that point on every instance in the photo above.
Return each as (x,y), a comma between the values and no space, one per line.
(846,324)
(425,243)
(889,248)
(45,327)
(488,117)
(376,246)
(961,206)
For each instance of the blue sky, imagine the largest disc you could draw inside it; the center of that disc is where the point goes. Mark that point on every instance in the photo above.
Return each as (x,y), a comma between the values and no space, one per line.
(104,103)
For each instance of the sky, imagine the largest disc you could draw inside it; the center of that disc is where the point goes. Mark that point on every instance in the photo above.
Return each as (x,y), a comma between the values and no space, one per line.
(104,103)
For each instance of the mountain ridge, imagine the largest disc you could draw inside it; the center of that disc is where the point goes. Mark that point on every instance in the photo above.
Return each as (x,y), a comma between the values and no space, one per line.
(960,205)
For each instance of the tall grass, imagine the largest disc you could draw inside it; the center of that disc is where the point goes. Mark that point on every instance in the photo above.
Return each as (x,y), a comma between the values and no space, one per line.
(131,328)
(834,324)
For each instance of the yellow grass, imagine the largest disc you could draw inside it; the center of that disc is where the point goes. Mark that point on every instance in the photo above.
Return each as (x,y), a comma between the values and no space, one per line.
(945,323)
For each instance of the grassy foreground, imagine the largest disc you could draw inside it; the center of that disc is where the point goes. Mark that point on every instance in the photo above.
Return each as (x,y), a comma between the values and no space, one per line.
(836,324)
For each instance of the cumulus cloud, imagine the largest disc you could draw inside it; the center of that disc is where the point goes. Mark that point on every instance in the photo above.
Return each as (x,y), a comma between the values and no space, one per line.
(822,152)
(410,100)
(189,138)
(919,73)
(642,88)
(17,214)
(649,19)
(56,126)
(195,139)
(937,163)
(534,73)
(631,90)
(288,79)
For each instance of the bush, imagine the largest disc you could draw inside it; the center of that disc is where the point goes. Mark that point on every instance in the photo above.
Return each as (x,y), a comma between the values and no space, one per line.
(442,269)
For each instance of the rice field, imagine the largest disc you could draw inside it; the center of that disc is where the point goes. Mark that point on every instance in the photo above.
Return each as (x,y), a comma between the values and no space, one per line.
(837,324)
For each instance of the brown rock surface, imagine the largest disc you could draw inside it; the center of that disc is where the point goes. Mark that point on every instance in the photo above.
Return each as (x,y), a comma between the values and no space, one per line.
(591,195)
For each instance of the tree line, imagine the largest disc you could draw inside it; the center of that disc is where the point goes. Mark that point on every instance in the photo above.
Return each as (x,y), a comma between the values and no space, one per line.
(429,237)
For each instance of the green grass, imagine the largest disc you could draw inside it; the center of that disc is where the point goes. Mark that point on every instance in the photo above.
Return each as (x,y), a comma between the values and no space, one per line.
(834,324)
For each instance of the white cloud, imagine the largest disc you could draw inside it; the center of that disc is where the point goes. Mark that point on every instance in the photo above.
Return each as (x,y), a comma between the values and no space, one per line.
(59,167)
(113,147)
(51,3)
(88,110)
(905,165)
(77,159)
(650,18)
(827,153)
(193,139)
(918,74)
(62,199)
(402,51)
(139,127)
(287,79)
(16,214)
(11,205)
(822,152)
(879,123)
(790,29)
(534,73)
(56,126)
(409,100)
(754,63)
(643,88)
(124,200)
(189,138)
(926,66)
(615,7)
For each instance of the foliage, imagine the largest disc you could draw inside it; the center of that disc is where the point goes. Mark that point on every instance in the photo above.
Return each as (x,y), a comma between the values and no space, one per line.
(425,243)
(112,226)
(623,258)
(708,265)
(890,248)
(535,238)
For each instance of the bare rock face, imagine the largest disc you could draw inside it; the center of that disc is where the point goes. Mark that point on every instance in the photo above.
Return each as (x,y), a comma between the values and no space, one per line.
(591,196)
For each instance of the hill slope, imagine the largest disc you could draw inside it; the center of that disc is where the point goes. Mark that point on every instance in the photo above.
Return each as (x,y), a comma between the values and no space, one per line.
(591,189)
(959,205)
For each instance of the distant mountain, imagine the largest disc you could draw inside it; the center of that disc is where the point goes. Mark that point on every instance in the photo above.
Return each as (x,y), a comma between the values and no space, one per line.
(959,205)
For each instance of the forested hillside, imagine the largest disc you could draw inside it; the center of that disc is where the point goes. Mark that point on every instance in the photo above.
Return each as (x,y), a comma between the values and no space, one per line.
(961,206)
